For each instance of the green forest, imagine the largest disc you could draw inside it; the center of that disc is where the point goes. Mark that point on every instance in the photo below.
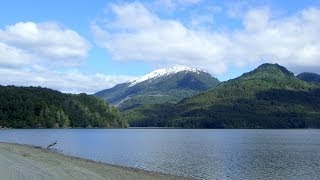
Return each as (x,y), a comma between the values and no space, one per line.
(36,107)
(268,97)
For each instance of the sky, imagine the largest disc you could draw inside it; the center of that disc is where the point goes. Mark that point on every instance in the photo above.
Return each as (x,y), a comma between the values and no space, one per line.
(85,46)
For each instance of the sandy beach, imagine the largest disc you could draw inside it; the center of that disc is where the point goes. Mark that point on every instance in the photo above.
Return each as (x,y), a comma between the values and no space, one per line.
(28,162)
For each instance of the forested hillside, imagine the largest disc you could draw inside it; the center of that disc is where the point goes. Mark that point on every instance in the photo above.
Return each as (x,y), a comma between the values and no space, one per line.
(168,85)
(309,77)
(35,107)
(268,97)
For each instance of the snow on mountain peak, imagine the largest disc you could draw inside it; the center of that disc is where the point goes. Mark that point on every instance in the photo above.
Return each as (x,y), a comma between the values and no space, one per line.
(164,72)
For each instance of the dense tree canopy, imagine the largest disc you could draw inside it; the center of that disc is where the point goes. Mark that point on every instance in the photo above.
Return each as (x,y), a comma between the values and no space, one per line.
(268,97)
(309,77)
(35,107)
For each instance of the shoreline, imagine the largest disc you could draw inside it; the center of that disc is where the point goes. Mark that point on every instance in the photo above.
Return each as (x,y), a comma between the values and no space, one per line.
(21,161)
(10,128)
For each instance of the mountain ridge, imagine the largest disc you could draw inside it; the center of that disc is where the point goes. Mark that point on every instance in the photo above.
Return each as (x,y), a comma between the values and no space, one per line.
(269,96)
(309,77)
(159,86)
(164,72)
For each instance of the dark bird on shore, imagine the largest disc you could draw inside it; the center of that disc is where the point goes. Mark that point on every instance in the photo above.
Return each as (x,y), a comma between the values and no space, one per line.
(50,145)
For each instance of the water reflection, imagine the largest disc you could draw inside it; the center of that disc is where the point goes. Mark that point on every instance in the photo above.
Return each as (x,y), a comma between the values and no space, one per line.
(203,154)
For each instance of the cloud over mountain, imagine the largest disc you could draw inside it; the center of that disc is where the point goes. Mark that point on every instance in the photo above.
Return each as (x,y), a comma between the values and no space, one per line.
(132,32)
(69,82)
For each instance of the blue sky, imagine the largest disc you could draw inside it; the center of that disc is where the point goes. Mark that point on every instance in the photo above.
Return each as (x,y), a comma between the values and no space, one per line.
(85,46)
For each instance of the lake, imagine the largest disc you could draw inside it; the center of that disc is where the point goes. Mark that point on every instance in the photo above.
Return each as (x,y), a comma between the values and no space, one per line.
(198,153)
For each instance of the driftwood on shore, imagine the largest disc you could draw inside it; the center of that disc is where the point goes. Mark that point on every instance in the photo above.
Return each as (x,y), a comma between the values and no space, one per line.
(50,145)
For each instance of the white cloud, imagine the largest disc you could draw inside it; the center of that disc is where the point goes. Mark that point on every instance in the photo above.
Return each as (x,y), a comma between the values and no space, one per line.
(13,57)
(291,41)
(34,54)
(172,4)
(69,82)
(136,34)
(43,43)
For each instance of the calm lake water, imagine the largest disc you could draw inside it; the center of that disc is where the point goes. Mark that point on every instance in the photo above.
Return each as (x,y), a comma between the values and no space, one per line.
(202,154)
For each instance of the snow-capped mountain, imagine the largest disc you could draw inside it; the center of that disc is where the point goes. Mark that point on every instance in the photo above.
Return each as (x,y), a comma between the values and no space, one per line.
(165,72)
(159,86)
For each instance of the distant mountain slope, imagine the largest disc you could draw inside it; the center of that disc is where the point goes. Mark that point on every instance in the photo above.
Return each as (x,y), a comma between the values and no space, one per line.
(268,97)
(160,86)
(309,77)
(35,107)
